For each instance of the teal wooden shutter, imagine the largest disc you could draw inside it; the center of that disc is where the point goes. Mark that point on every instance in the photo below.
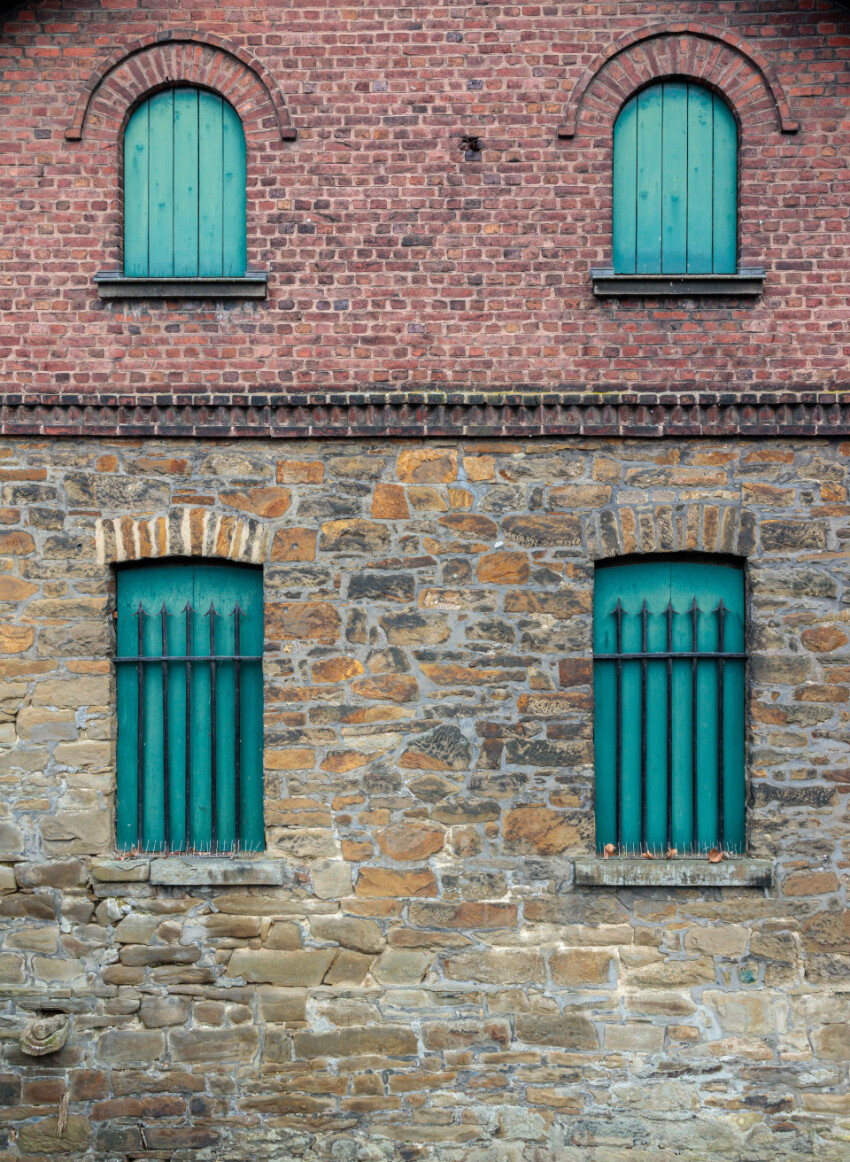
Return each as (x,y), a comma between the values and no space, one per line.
(184,188)
(190,732)
(675,202)
(669,729)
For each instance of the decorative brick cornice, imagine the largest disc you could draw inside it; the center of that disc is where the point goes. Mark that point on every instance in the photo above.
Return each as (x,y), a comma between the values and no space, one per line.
(717,56)
(426,413)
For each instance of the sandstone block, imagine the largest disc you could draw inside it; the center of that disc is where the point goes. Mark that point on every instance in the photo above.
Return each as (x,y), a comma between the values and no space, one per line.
(265,502)
(294,544)
(577,967)
(350,932)
(444,749)
(376,882)
(410,841)
(44,1137)
(355,1041)
(571,1031)
(401,966)
(349,969)
(130,1048)
(541,829)
(389,503)
(194,1046)
(503,569)
(282,968)
(427,465)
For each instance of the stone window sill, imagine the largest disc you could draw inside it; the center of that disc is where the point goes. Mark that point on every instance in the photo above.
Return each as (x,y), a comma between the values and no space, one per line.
(674,873)
(114,285)
(749,281)
(190,871)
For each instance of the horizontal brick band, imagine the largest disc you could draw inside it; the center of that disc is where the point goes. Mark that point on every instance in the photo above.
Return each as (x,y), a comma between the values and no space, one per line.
(434,413)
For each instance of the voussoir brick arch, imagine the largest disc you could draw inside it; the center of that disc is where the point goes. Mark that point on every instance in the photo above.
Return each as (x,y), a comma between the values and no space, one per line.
(187,532)
(717,57)
(667,528)
(181,57)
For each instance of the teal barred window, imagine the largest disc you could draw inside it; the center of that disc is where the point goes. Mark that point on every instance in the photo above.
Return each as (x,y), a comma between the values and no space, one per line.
(184,188)
(669,672)
(190,707)
(675,182)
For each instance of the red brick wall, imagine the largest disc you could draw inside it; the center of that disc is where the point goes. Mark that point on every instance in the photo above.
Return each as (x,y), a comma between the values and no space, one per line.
(393,259)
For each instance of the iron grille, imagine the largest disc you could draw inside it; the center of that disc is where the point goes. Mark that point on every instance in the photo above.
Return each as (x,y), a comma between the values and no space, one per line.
(144,663)
(669,657)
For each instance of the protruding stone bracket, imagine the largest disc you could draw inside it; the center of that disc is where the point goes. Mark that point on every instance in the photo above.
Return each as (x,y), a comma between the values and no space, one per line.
(718,57)
(182,56)
(186,532)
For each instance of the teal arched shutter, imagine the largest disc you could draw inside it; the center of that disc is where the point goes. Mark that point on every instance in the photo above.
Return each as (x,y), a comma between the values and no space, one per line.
(190,715)
(669,643)
(184,188)
(675,182)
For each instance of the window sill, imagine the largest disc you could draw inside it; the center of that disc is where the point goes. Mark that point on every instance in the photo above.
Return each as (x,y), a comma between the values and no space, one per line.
(749,281)
(114,285)
(190,870)
(674,873)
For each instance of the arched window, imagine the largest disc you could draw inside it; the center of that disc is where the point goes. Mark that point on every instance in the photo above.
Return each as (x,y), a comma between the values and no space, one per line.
(190,707)
(675,182)
(669,664)
(184,188)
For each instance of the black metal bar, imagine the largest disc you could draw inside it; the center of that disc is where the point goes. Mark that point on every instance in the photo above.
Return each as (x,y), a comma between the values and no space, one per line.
(213,770)
(684,655)
(237,734)
(721,619)
(165,787)
(694,773)
(618,614)
(644,616)
(669,613)
(257,658)
(187,840)
(140,741)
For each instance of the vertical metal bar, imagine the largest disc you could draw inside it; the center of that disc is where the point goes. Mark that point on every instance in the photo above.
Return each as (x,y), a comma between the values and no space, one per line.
(644,638)
(237,790)
(694,780)
(618,614)
(721,619)
(669,612)
(213,771)
(187,842)
(165,757)
(140,741)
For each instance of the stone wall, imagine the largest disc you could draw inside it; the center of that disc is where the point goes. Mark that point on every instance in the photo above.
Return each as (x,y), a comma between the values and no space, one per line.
(425,980)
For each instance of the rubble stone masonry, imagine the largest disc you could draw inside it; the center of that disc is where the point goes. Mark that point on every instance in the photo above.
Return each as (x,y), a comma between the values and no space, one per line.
(421,978)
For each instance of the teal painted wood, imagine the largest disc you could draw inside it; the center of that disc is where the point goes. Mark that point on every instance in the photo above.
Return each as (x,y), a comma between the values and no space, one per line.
(674,188)
(660,582)
(136,161)
(161,185)
(185,188)
(700,178)
(185,182)
(725,197)
(675,182)
(649,161)
(200,586)
(625,189)
(234,240)
(211,201)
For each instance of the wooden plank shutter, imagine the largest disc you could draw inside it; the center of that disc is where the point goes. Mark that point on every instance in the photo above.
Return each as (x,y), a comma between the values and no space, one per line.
(675,185)
(184,188)
(177,720)
(669,694)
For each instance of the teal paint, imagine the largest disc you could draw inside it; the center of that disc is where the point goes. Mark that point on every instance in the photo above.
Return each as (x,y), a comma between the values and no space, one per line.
(675,182)
(202,586)
(660,582)
(185,173)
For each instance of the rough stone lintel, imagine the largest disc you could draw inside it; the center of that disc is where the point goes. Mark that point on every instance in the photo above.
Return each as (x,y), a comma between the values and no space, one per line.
(674,873)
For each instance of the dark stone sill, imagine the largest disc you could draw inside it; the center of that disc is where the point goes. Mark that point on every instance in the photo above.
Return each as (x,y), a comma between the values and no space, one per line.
(112,285)
(749,281)
(674,873)
(190,870)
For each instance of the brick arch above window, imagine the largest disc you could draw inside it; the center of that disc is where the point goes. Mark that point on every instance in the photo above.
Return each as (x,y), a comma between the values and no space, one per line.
(188,532)
(182,57)
(718,58)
